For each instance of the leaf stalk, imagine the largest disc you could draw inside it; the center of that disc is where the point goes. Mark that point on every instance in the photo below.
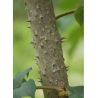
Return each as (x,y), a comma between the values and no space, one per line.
(66,13)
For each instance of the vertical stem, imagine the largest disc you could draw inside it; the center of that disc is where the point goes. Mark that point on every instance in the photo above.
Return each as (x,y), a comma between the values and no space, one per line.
(47,42)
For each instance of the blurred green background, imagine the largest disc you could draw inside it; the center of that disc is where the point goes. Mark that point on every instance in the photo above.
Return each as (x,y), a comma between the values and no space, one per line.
(73,47)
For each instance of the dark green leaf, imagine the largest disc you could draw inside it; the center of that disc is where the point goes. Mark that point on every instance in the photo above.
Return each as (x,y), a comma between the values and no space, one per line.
(79,14)
(26,89)
(24,80)
(76,92)
(27,74)
(18,79)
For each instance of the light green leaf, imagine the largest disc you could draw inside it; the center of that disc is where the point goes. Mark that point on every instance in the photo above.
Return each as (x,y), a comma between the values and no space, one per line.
(18,79)
(26,89)
(76,92)
(79,14)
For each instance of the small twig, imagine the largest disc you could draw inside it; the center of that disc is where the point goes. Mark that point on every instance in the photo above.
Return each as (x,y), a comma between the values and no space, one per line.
(49,87)
(66,13)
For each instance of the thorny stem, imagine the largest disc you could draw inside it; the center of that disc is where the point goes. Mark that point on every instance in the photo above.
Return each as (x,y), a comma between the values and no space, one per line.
(47,43)
(49,87)
(66,13)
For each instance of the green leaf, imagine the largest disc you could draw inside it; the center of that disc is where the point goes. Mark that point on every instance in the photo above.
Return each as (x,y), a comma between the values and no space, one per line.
(27,74)
(79,14)
(76,92)
(24,80)
(26,89)
(18,79)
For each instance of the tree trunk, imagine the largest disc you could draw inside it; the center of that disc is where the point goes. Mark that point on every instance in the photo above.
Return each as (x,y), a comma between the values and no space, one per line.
(47,43)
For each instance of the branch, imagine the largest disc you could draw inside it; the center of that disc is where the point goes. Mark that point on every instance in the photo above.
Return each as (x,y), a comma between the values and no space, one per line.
(49,87)
(66,13)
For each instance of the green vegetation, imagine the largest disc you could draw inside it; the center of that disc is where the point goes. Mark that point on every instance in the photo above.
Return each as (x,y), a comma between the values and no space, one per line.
(79,14)
(22,87)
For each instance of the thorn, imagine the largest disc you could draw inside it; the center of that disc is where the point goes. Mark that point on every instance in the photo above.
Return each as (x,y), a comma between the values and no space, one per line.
(57,59)
(42,45)
(38,81)
(56,41)
(36,63)
(62,38)
(50,81)
(46,38)
(53,64)
(47,12)
(58,69)
(37,56)
(63,59)
(67,66)
(32,43)
(34,58)
(50,20)
(40,16)
(56,80)
(38,6)
(49,31)
(62,67)
(36,34)
(44,74)
(54,71)
(62,41)
(46,26)
(28,27)
(41,38)
(39,78)
(35,14)
(39,22)
(45,52)
(67,69)
(28,21)
(43,29)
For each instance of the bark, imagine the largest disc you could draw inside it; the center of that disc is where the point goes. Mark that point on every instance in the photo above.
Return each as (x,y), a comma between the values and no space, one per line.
(47,43)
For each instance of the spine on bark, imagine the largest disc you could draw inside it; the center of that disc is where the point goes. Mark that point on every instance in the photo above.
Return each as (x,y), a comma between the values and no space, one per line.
(47,42)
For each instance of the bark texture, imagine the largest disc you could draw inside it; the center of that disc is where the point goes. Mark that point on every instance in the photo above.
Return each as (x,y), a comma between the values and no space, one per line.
(47,43)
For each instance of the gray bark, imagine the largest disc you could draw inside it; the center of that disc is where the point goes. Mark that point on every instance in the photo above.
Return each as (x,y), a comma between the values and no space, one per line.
(47,43)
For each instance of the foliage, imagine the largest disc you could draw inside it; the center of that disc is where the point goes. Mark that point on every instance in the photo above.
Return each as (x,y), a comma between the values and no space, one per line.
(21,86)
(27,88)
(79,14)
(18,79)
(76,92)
